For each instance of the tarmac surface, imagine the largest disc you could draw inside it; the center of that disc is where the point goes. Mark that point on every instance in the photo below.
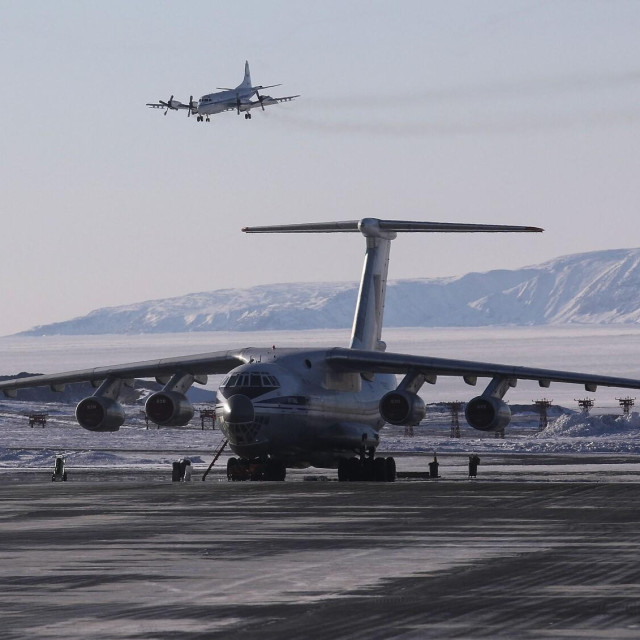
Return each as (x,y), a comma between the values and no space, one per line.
(142,557)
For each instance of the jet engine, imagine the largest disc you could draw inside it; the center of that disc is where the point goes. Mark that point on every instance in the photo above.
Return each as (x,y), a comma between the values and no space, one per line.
(402,408)
(97,413)
(169,409)
(487,413)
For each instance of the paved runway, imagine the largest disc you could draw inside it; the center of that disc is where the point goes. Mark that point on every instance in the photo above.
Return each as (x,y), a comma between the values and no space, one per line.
(445,559)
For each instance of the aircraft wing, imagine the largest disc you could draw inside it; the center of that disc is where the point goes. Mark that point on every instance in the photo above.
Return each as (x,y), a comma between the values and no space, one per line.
(269,100)
(175,106)
(201,364)
(382,362)
(265,101)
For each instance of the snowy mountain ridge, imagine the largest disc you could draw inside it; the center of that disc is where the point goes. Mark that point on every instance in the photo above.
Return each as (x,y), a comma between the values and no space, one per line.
(600,287)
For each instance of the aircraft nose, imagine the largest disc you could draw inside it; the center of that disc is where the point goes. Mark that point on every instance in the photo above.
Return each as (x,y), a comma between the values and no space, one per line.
(238,409)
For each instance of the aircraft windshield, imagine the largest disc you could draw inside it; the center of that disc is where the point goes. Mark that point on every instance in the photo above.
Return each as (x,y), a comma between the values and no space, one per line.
(251,385)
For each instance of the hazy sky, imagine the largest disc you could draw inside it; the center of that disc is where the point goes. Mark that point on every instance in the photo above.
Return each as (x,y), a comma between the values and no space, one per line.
(496,111)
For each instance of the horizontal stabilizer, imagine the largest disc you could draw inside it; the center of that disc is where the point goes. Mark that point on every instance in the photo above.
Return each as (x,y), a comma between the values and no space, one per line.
(452,227)
(390,226)
(311,227)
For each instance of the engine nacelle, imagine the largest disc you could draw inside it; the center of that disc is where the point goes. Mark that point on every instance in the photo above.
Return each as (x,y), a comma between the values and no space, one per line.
(97,413)
(402,408)
(487,413)
(169,409)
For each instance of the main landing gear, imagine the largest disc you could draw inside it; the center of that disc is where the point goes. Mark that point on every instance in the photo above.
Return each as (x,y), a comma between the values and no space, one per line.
(202,118)
(242,469)
(367,469)
(247,116)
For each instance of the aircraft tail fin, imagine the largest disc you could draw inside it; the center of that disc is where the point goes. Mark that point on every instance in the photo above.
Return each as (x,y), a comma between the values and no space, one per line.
(367,322)
(246,82)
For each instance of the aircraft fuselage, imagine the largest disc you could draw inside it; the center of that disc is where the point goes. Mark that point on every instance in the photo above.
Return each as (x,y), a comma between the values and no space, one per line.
(223,100)
(291,406)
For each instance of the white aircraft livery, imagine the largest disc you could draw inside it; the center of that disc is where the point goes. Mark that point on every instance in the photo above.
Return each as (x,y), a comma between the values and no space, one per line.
(294,408)
(239,99)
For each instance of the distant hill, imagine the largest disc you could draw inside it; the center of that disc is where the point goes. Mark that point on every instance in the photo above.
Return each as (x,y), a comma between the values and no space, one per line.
(600,287)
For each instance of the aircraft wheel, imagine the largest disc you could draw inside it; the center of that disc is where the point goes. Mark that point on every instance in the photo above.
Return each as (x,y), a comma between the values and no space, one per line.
(390,465)
(232,465)
(354,469)
(380,470)
(368,470)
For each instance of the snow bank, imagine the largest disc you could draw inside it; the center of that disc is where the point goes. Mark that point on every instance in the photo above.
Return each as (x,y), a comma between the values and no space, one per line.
(581,425)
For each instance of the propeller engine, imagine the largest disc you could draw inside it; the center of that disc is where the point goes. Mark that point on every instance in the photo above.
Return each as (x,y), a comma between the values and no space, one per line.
(192,108)
(168,104)
(402,408)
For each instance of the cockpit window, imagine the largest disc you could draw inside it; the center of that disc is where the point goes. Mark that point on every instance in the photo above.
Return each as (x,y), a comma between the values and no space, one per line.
(251,385)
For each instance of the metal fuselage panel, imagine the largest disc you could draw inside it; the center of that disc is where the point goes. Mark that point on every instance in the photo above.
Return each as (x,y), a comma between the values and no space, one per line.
(315,417)
(223,100)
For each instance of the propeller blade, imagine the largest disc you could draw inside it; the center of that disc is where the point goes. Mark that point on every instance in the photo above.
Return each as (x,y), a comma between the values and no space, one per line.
(190,106)
(238,103)
(260,98)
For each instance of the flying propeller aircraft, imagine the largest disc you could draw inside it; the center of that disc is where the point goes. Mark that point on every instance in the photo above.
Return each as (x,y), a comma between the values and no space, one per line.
(294,408)
(238,99)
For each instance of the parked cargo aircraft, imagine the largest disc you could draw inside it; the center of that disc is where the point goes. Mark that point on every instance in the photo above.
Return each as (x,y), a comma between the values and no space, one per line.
(238,99)
(282,408)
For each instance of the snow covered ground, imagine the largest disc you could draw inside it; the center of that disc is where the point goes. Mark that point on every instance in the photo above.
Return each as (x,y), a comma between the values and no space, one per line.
(513,552)
(572,446)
